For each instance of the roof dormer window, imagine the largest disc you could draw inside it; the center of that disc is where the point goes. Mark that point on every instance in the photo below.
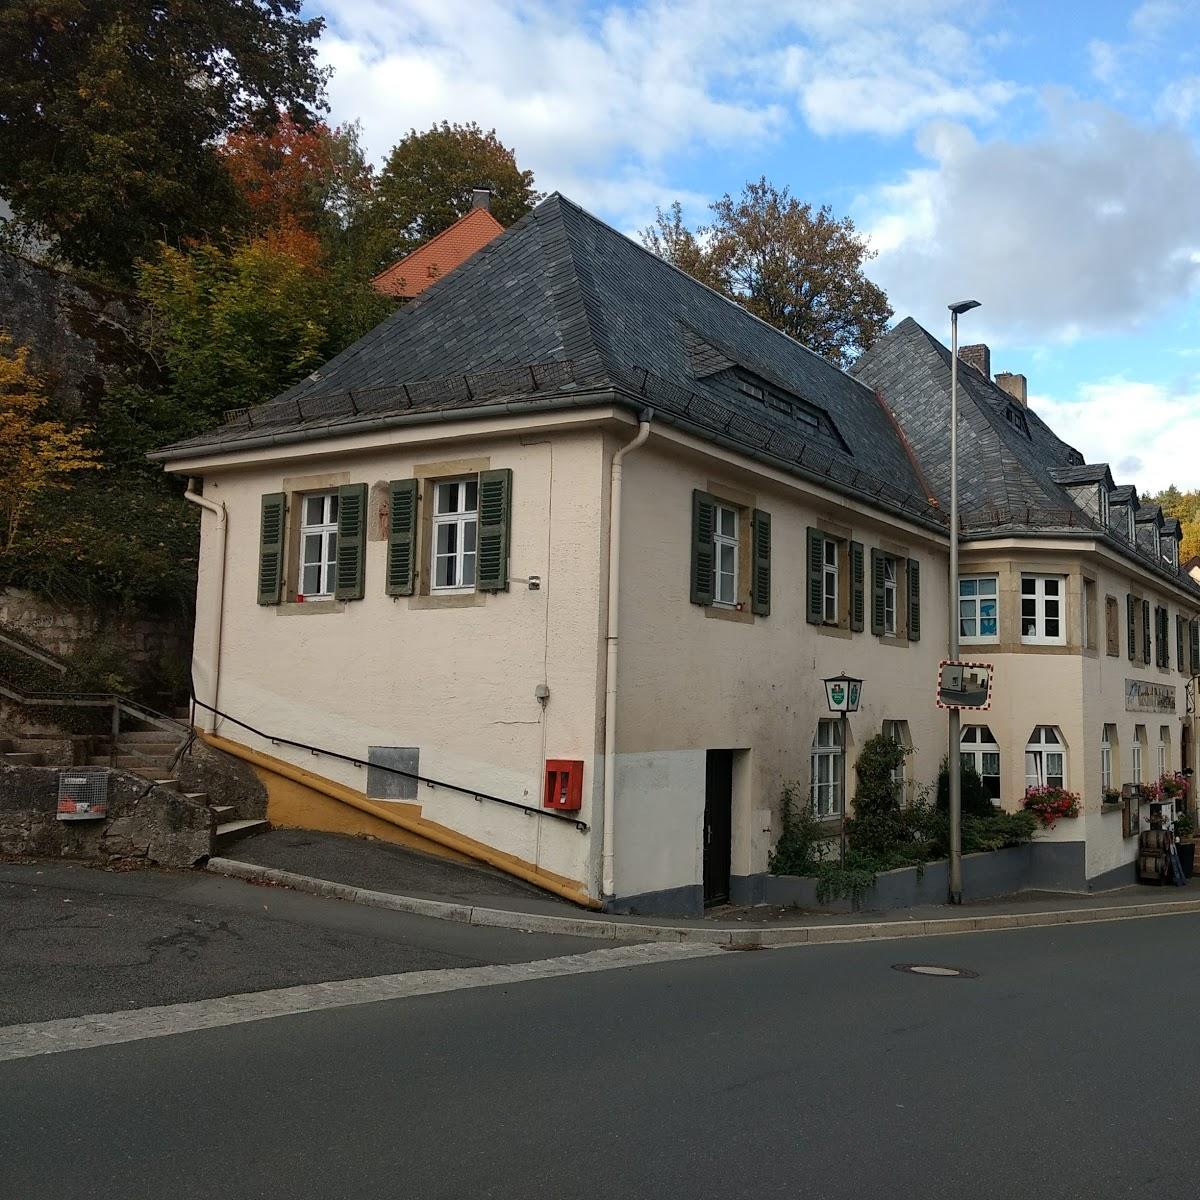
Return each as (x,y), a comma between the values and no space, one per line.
(803,414)
(1132,533)
(1016,418)
(1103,506)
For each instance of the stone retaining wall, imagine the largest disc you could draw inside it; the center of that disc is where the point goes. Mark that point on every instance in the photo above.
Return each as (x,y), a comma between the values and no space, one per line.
(145,823)
(64,630)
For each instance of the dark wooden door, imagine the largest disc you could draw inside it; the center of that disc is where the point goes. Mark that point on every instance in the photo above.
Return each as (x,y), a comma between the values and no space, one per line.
(718,825)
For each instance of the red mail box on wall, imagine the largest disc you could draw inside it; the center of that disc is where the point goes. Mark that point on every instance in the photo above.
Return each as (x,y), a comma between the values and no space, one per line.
(564,784)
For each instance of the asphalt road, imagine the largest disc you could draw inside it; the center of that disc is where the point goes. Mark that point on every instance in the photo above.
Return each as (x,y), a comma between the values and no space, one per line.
(1068,1068)
(76,940)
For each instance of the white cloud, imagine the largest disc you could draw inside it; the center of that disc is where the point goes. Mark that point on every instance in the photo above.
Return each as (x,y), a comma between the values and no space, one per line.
(1091,226)
(589,90)
(1136,427)
(1180,99)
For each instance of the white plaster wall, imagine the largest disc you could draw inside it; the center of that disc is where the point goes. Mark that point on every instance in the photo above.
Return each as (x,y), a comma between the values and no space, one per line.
(458,682)
(690,682)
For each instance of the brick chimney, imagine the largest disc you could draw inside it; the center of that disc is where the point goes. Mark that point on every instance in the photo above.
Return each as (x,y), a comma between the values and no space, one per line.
(481,197)
(979,357)
(1016,386)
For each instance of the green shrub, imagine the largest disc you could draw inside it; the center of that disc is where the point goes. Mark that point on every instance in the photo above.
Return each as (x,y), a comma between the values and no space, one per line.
(800,848)
(975,799)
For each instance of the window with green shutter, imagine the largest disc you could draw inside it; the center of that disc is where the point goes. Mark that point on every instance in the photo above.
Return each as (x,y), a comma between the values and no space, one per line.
(878,613)
(914,600)
(857,589)
(1194,635)
(351,541)
(704,525)
(815,606)
(270,548)
(495,525)
(1131,622)
(1146,632)
(760,583)
(402,537)
(1179,639)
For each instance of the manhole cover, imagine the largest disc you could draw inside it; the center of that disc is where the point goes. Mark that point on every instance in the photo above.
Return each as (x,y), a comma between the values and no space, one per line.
(931,969)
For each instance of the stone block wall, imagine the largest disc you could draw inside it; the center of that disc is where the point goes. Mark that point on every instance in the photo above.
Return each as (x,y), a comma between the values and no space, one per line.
(146,824)
(64,630)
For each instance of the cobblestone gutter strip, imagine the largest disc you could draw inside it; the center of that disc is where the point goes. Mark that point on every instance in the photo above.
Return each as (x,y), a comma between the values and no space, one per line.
(627,931)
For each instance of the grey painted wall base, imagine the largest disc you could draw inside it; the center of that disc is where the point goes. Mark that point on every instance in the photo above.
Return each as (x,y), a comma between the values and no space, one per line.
(1038,866)
(685,901)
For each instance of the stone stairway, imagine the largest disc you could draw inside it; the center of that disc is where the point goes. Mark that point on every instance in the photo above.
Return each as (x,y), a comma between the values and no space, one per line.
(150,755)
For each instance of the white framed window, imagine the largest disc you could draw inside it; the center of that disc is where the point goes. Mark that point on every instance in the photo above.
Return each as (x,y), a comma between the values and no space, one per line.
(1042,609)
(828,764)
(1045,759)
(829,580)
(890,593)
(978,608)
(1106,761)
(725,555)
(978,747)
(318,544)
(1132,525)
(1164,750)
(455,534)
(1139,744)
(898,732)
(1103,506)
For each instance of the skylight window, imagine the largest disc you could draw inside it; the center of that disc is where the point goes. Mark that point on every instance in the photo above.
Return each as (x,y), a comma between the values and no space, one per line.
(778,401)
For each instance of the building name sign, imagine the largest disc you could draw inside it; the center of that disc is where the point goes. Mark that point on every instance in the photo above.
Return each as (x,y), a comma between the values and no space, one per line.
(1149,697)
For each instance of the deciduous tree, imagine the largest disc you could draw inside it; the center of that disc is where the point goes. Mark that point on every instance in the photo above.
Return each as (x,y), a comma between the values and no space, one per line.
(426,184)
(37,453)
(111,110)
(798,268)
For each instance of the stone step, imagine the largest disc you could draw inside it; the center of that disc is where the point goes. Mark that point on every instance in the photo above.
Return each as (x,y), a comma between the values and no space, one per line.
(233,831)
(158,774)
(222,810)
(130,762)
(18,758)
(150,737)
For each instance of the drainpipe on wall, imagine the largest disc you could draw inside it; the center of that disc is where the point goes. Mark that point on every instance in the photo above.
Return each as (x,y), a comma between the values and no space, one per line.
(610,669)
(208,720)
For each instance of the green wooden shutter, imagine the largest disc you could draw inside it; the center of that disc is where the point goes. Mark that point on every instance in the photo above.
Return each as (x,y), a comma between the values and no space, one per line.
(877,597)
(1131,617)
(270,548)
(1146,632)
(1194,631)
(1162,647)
(352,538)
(402,537)
(914,600)
(495,526)
(704,524)
(1179,660)
(816,586)
(760,583)
(857,590)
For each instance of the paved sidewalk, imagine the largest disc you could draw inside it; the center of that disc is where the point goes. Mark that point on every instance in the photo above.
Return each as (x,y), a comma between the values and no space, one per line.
(384,875)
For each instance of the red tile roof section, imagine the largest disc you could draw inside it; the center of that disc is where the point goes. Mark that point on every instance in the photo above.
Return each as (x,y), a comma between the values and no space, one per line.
(411,275)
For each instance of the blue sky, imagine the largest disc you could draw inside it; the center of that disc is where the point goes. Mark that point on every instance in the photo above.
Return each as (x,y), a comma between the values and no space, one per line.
(1042,158)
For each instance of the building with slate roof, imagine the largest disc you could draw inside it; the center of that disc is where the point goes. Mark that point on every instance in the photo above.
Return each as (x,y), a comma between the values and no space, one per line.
(549,568)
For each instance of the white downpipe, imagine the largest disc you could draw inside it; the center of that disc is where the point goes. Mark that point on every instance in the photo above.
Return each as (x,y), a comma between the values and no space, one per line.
(610,667)
(208,720)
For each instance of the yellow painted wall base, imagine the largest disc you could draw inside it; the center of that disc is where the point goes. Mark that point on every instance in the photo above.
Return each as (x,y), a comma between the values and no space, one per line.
(293,805)
(301,799)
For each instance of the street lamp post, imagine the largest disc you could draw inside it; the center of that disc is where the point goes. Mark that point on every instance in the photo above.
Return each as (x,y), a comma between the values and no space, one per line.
(842,694)
(954,755)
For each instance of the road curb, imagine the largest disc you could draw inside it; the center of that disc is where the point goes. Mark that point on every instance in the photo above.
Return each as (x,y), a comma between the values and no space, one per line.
(623,931)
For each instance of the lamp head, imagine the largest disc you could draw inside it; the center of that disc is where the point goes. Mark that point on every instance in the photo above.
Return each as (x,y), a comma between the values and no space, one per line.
(962,306)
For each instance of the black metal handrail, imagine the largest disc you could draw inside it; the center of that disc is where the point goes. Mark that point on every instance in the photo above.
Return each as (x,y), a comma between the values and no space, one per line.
(276,740)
